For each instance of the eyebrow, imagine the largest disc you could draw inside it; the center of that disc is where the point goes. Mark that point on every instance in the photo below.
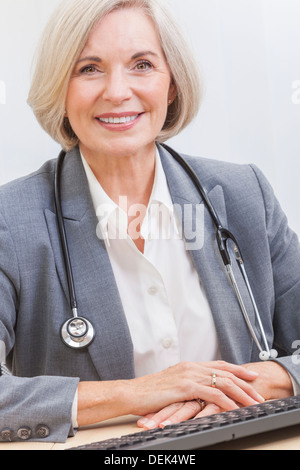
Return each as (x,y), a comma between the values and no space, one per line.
(89,58)
(97,59)
(143,53)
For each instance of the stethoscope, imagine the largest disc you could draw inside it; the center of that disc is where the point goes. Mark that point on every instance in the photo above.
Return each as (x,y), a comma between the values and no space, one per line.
(78,332)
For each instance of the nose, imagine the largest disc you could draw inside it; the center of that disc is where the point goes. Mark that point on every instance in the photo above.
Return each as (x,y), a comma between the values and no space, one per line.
(117,87)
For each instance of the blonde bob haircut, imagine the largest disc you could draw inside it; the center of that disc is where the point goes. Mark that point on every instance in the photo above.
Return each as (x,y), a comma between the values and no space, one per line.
(62,43)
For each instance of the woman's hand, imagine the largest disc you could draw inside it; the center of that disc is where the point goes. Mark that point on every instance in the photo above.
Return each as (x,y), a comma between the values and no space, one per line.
(152,394)
(272,381)
(178,412)
(232,390)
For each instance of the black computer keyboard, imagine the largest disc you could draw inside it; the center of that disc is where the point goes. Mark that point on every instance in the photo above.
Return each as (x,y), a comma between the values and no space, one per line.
(207,431)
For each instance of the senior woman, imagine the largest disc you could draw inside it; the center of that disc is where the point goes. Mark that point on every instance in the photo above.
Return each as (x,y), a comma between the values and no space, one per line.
(113,81)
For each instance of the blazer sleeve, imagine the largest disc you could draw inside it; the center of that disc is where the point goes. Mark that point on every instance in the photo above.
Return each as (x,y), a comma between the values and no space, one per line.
(37,408)
(285,258)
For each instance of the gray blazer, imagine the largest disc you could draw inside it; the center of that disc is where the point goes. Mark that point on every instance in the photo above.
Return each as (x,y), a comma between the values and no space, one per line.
(36,402)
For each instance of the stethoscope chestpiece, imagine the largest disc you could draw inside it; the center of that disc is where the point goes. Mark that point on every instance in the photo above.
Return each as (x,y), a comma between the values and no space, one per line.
(77,333)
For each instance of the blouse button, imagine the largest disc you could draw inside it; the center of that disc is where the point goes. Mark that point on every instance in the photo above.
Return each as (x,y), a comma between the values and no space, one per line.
(167,343)
(152,290)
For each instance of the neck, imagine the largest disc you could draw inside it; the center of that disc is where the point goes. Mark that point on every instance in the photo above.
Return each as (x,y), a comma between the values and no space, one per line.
(130,177)
(125,176)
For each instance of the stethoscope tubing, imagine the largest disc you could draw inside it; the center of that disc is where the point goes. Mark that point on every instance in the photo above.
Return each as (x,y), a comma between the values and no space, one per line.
(222,236)
(62,233)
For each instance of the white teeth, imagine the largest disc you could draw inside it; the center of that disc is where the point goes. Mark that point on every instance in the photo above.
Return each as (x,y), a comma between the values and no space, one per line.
(120,120)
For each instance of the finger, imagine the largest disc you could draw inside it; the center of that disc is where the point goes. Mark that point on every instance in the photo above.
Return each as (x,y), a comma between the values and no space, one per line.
(144,420)
(237,389)
(231,378)
(210,409)
(185,412)
(161,416)
(234,391)
(216,396)
(248,389)
(239,371)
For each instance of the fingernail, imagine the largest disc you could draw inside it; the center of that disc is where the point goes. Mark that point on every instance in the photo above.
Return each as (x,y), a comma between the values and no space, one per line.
(150,425)
(164,424)
(143,421)
(254,374)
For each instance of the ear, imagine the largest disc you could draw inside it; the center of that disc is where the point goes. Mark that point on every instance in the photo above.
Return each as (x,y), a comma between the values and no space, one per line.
(172,93)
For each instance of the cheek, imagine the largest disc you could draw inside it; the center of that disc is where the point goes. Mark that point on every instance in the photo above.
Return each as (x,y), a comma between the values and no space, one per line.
(80,97)
(157,96)
(160,92)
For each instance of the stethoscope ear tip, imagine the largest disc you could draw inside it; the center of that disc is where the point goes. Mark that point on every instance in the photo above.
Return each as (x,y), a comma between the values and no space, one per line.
(265,355)
(273,353)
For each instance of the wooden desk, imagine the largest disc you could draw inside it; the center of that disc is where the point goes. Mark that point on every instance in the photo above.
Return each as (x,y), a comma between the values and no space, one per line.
(284,439)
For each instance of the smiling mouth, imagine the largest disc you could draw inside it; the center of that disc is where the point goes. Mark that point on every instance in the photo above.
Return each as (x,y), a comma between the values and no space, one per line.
(118,120)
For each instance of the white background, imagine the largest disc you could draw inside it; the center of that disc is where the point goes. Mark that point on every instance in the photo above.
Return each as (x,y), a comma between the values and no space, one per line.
(249,54)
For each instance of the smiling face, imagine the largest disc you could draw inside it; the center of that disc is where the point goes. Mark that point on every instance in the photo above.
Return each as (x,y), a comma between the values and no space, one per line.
(119,91)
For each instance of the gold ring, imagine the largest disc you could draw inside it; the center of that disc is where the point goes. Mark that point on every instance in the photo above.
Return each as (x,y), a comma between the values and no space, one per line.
(201,403)
(213,380)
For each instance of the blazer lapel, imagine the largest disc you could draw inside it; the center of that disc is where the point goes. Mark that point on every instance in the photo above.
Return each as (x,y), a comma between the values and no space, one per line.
(235,341)
(96,291)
